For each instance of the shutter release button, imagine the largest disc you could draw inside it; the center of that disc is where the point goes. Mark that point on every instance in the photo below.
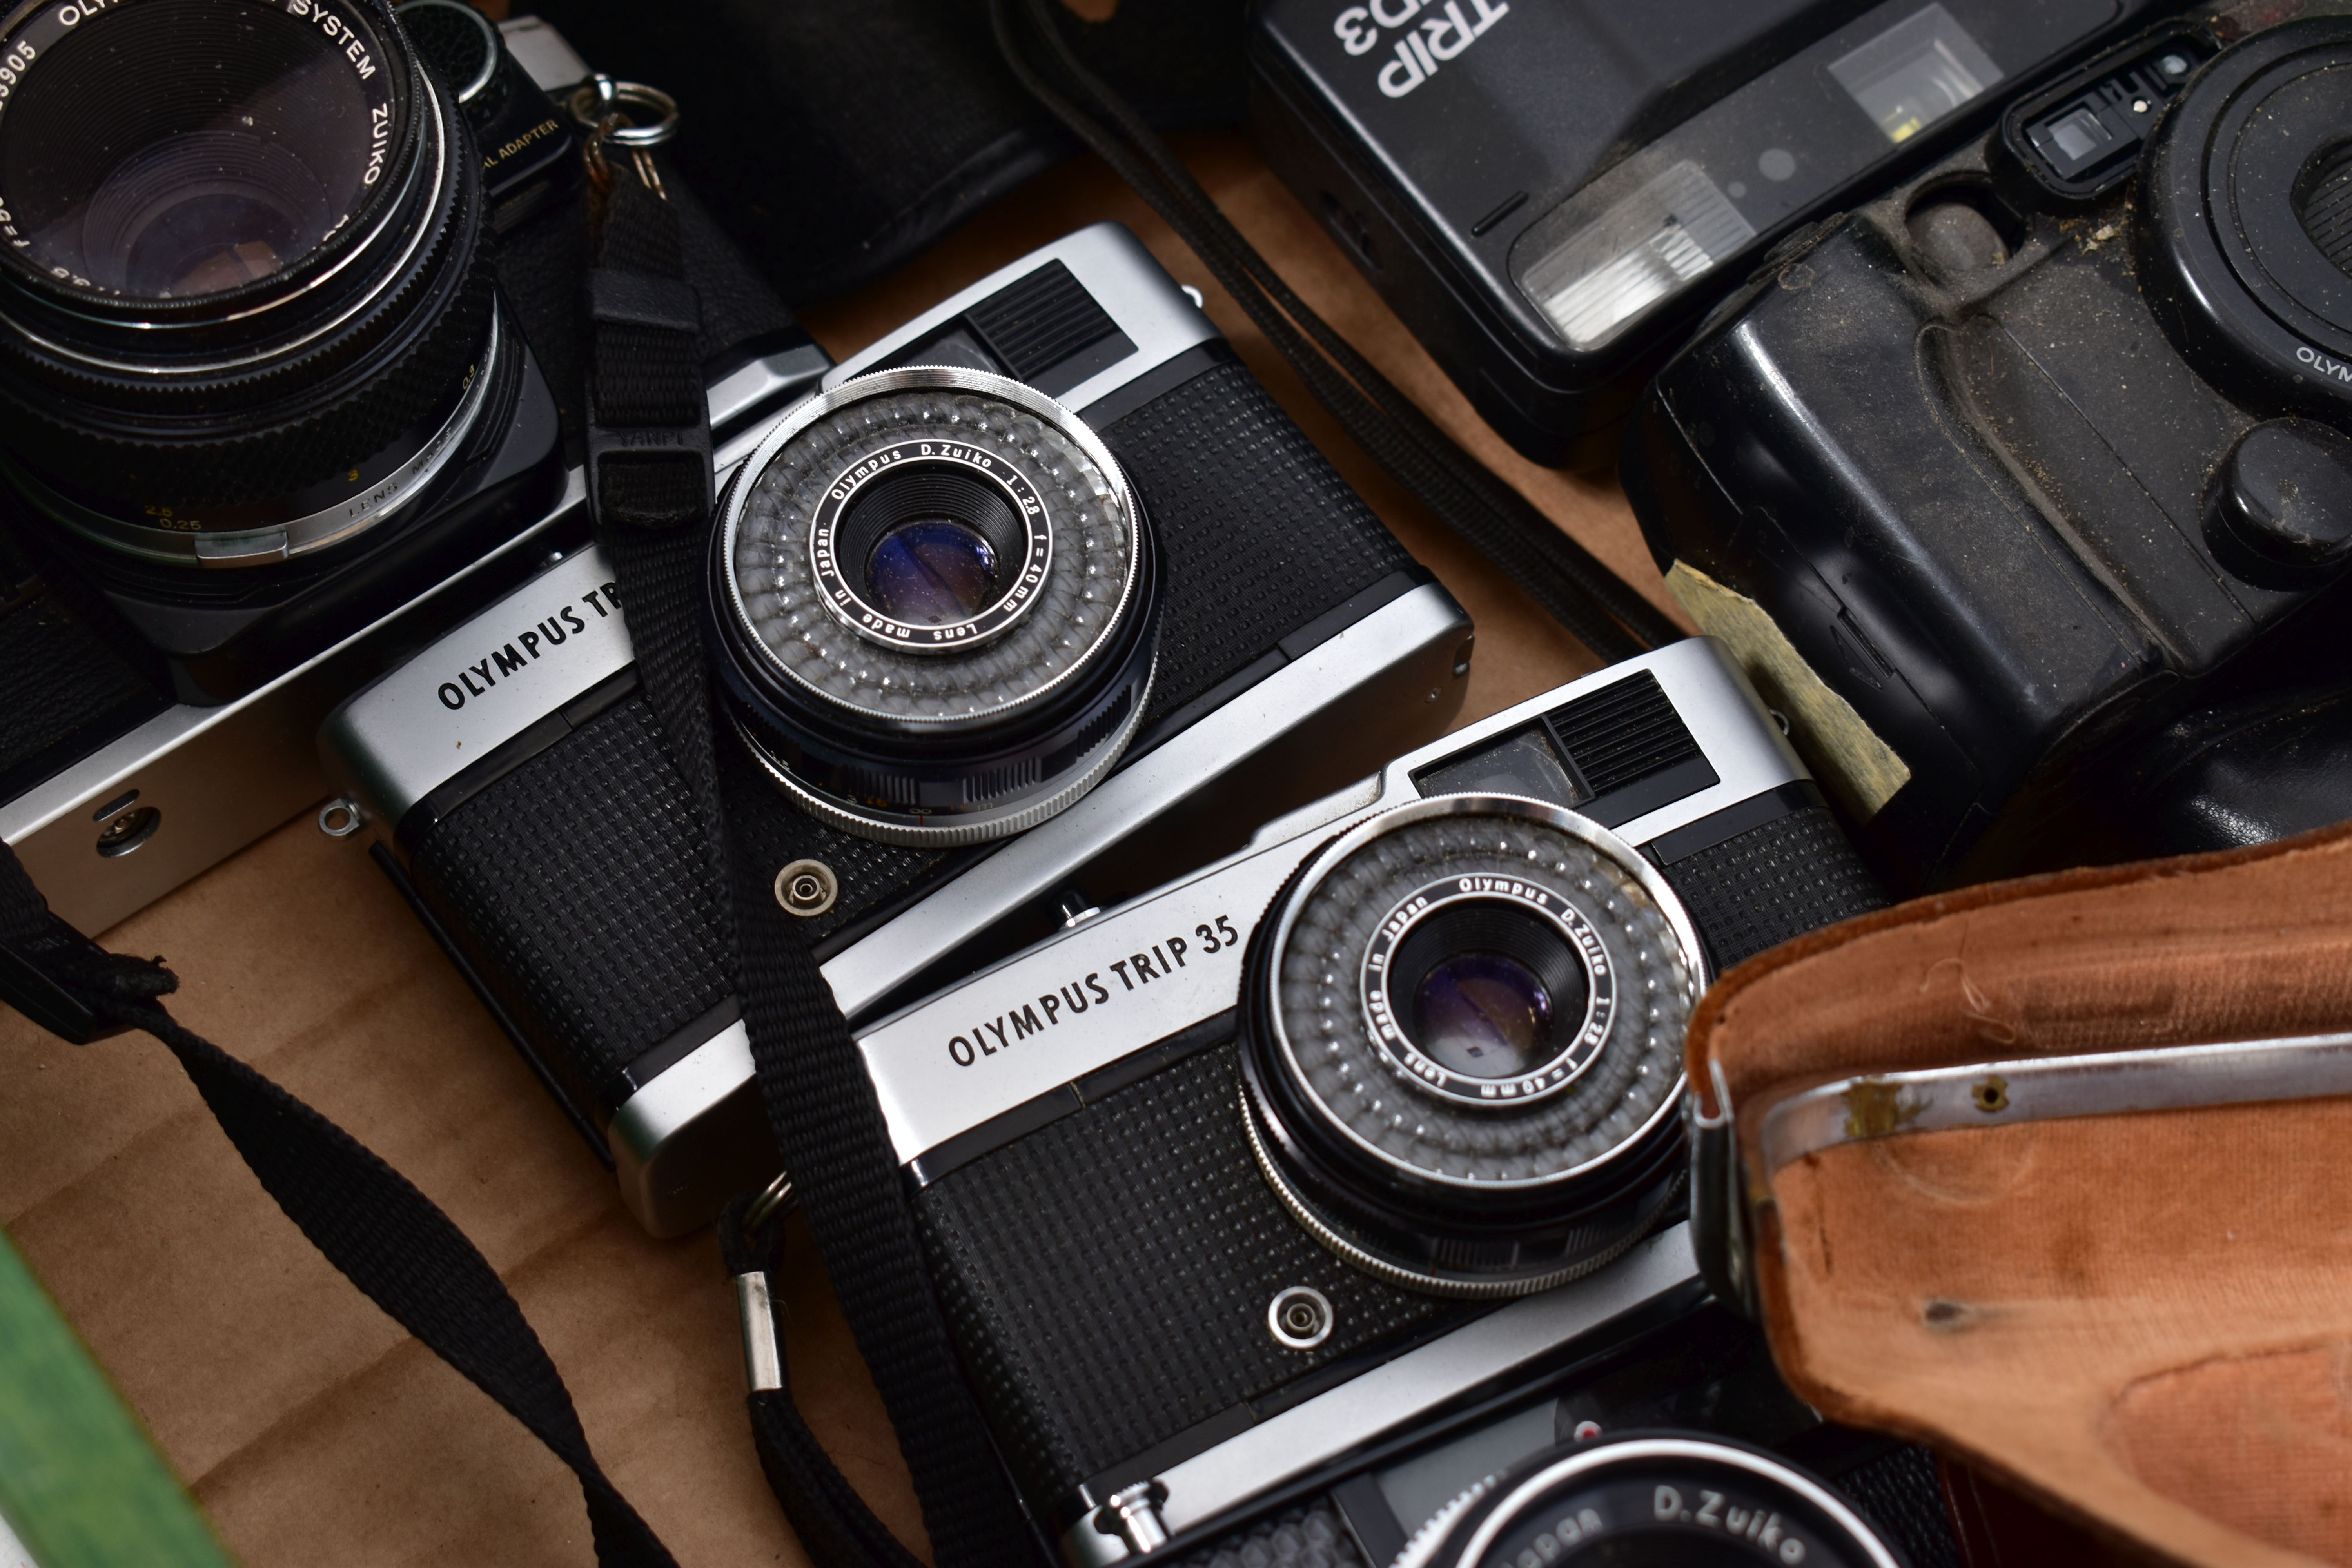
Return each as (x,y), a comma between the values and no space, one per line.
(2280,511)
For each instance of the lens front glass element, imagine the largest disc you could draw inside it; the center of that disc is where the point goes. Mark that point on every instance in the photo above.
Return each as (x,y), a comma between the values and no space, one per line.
(1484,1014)
(172,149)
(931,572)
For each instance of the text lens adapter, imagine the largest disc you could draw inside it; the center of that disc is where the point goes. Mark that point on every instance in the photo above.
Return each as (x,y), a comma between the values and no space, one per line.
(1461,1031)
(934,600)
(242,314)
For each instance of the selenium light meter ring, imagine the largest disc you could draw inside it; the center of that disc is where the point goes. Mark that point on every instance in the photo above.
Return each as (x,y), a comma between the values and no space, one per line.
(949,379)
(1523,809)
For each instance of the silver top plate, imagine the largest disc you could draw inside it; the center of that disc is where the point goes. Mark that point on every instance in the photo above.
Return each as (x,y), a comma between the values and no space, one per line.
(1133,290)
(481,686)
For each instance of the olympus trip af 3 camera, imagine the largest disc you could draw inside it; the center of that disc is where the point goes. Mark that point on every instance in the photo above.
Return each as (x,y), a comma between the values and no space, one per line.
(1549,194)
(1037,603)
(1368,1127)
(288,369)
(2026,489)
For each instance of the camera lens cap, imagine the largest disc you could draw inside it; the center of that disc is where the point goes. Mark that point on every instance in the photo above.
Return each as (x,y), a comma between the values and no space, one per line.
(2244,237)
(2279,509)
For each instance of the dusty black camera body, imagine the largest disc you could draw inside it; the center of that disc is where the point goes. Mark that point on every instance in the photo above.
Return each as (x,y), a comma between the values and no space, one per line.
(2024,490)
(1038,602)
(253,449)
(1363,1128)
(1550,194)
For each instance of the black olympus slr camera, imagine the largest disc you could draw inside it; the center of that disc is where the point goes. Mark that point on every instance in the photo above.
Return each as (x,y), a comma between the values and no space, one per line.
(1039,602)
(1549,194)
(287,358)
(2026,490)
(1370,1132)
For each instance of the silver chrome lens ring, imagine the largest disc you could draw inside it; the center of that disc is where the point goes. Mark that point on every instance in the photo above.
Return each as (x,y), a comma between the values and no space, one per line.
(1859,1546)
(301,535)
(776,601)
(940,832)
(1434,1126)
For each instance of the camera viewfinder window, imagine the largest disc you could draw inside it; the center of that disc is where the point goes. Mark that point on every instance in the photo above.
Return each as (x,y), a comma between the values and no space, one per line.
(1915,72)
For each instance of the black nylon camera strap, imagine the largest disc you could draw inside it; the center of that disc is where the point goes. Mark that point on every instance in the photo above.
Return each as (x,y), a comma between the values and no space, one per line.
(820,1103)
(387,1238)
(1570,584)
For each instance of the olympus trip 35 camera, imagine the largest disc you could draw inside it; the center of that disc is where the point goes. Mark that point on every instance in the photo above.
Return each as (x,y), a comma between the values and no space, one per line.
(1368,1127)
(289,360)
(1039,602)
(1549,194)
(2026,490)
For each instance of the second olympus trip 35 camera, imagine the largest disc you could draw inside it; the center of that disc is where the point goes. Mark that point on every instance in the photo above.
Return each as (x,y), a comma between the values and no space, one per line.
(1040,602)
(1302,1120)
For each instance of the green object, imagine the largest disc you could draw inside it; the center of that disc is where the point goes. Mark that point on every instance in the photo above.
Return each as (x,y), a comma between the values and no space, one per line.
(81,1485)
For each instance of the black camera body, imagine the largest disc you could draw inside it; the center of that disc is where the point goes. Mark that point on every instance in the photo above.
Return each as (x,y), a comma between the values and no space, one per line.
(168,664)
(1549,195)
(1184,1293)
(517,770)
(2022,489)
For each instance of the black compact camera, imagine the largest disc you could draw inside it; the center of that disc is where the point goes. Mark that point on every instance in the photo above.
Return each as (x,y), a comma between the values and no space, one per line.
(1548,195)
(1038,602)
(2024,491)
(1323,1149)
(288,354)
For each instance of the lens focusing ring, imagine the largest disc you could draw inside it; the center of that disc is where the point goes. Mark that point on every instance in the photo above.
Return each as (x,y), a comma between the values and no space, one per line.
(969,723)
(1651,1497)
(232,398)
(1469,1180)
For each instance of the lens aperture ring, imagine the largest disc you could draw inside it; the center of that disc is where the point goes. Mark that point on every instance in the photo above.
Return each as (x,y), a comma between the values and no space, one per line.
(1461,1031)
(306,433)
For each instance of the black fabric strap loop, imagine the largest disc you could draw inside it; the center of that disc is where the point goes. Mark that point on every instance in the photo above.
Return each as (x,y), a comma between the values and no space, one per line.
(1572,585)
(832,1520)
(386,1237)
(648,433)
(820,1106)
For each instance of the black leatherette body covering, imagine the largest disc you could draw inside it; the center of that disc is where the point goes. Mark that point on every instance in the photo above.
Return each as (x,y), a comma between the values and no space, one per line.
(571,883)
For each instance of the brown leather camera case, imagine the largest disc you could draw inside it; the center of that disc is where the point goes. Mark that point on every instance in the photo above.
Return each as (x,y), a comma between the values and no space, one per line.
(2143,1320)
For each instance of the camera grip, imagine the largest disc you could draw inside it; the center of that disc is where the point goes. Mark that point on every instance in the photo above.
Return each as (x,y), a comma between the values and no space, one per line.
(1262,536)
(573,890)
